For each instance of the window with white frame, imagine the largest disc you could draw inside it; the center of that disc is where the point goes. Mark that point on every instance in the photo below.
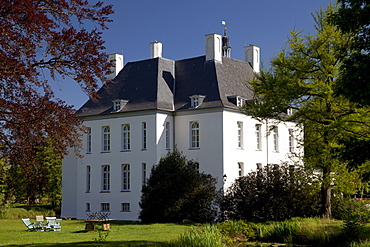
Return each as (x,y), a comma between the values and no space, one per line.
(126,137)
(239,101)
(88,141)
(105,206)
(258,137)
(88,178)
(143,170)
(196,100)
(275,139)
(143,127)
(125,177)
(88,207)
(117,105)
(240,135)
(106,138)
(167,131)
(291,141)
(105,178)
(240,169)
(125,207)
(194,135)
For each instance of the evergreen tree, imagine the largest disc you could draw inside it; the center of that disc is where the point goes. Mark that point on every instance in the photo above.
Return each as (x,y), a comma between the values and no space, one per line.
(177,191)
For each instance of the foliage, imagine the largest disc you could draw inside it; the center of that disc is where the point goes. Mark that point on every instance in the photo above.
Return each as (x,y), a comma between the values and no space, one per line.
(177,191)
(207,236)
(237,231)
(272,193)
(40,40)
(353,17)
(303,77)
(37,178)
(283,232)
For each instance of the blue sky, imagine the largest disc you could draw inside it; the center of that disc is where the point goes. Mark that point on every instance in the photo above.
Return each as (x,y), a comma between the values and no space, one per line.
(181,26)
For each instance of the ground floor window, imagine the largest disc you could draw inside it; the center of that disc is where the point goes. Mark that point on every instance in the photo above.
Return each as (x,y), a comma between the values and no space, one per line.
(105,206)
(125,207)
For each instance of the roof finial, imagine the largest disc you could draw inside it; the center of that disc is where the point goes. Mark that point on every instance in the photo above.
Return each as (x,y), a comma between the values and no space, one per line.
(225,42)
(224,24)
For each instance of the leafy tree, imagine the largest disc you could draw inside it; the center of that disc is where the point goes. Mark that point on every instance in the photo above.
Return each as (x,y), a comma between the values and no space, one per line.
(275,192)
(303,78)
(32,180)
(176,191)
(353,17)
(41,38)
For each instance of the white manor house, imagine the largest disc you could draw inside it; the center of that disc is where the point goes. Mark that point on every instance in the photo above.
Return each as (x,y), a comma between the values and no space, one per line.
(157,104)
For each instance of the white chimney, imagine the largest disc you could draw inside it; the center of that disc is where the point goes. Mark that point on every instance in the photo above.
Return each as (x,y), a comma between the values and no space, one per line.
(117,65)
(214,47)
(155,49)
(252,56)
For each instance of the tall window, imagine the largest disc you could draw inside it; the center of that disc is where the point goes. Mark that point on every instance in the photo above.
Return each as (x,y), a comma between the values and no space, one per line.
(291,141)
(88,207)
(143,168)
(105,206)
(240,135)
(240,169)
(88,178)
(194,135)
(126,137)
(125,177)
(143,126)
(105,178)
(275,137)
(88,141)
(167,130)
(106,138)
(258,137)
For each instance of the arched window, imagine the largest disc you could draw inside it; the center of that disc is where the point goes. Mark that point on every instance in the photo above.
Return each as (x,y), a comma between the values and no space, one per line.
(194,134)
(106,139)
(126,137)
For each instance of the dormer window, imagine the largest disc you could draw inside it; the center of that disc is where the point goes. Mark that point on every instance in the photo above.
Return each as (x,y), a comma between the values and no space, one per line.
(119,104)
(196,100)
(289,111)
(237,100)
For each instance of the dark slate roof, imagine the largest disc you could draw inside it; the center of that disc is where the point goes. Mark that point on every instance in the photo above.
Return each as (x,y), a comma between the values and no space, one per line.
(149,85)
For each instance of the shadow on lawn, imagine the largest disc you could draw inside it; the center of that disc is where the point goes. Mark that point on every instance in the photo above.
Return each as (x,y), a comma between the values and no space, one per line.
(92,243)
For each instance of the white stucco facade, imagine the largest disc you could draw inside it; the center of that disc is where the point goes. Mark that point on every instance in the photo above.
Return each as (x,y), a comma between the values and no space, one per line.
(219,154)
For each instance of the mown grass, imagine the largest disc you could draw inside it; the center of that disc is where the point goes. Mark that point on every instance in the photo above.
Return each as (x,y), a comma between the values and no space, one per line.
(13,233)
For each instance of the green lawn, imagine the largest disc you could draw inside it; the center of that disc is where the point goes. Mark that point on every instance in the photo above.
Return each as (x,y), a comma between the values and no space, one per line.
(13,233)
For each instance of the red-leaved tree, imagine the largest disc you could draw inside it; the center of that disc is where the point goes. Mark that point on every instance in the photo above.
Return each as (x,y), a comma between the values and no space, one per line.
(53,38)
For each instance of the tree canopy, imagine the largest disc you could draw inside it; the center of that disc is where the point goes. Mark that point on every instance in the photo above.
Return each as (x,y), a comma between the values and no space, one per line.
(353,17)
(177,191)
(303,77)
(42,40)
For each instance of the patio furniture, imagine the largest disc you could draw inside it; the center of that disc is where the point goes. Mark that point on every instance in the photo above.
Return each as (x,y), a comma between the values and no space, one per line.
(33,226)
(39,218)
(53,224)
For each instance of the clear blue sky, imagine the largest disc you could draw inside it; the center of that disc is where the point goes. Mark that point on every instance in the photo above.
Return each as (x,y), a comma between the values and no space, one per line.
(181,25)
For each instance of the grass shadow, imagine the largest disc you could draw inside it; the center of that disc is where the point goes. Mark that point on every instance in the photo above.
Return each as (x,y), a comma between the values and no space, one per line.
(93,243)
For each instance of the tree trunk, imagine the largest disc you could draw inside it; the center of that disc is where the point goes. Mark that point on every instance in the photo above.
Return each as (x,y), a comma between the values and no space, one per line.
(326,201)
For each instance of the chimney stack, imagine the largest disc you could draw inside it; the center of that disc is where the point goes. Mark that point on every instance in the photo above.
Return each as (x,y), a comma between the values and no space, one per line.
(155,49)
(117,65)
(214,47)
(252,56)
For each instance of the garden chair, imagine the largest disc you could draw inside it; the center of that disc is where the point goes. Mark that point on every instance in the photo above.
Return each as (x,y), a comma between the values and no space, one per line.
(53,224)
(33,226)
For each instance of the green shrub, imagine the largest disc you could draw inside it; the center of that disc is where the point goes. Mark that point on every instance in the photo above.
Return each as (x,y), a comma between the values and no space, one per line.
(283,232)
(208,236)
(237,230)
